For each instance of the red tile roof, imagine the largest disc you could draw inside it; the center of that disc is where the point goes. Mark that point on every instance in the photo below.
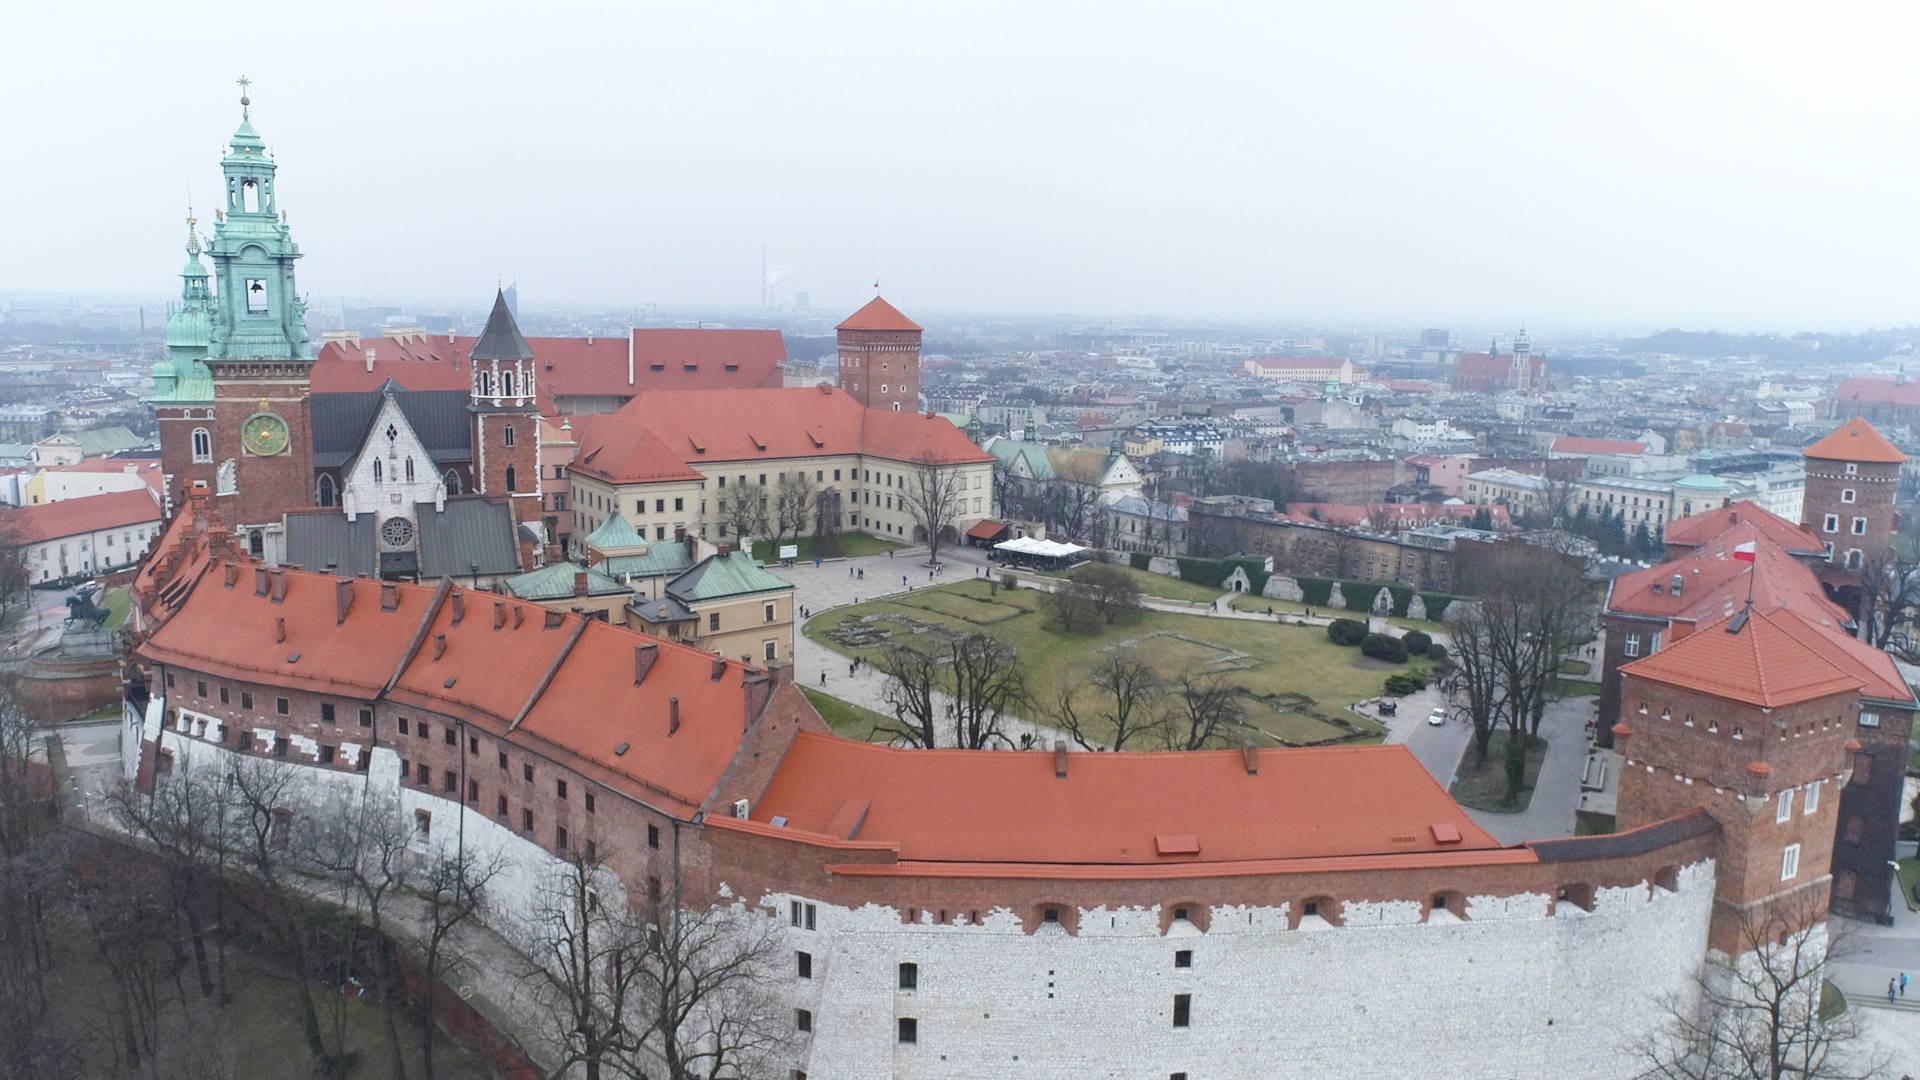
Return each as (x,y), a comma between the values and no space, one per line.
(1879,676)
(1878,391)
(878,315)
(1697,530)
(662,359)
(763,425)
(568,684)
(89,513)
(614,449)
(1855,440)
(1714,585)
(1574,444)
(1764,664)
(975,807)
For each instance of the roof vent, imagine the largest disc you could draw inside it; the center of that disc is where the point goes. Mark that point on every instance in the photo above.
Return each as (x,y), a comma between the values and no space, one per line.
(621,750)
(644,655)
(389,596)
(279,629)
(519,616)
(1738,622)
(673,715)
(1250,757)
(1060,759)
(719,668)
(1676,583)
(499,614)
(554,619)
(439,646)
(342,600)
(1445,832)
(740,808)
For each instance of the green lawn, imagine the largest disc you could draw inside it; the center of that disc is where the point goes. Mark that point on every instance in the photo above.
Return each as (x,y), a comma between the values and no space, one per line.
(844,717)
(1298,684)
(1589,823)
(1575,688)
(852,545)
(1485,787)
(117,602)
(1909,877)
(1160,585)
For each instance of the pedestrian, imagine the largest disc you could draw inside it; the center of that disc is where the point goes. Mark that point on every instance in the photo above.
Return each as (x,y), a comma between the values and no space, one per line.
(823,678)
(1903,984)
(850,665)
(903,581)
(849,571)
(929,575)
(889,553)
(1892,985)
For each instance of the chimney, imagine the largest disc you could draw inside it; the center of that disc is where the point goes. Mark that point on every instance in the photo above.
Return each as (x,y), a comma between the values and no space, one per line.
(579,583)
(1250,755)
(233,574)
(554,619)
(673,715)
(259,581)
(724,550)
(449,335)
(439,646)
(342,600)
(369,355)
(756,688)
(1060,759)
(1674,586)
(279,585)
(589,337)
(719,668)
(519,616)
(644,655)
(499,614)
(389,596)
(279,628)
(459,607)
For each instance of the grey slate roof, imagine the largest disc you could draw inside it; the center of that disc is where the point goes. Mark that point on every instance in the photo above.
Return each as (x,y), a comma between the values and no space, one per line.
(664,610)
(341,423)
(316,540)
(501,339)
(473,530)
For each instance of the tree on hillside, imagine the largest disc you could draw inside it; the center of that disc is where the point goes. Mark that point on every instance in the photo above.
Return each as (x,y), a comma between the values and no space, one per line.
(793,504)
(933,498)
(14,572)
(743,512)
(451,885)
(1073,605)
(1111,703)
(1758,1015)
(363,845)
(1203,712)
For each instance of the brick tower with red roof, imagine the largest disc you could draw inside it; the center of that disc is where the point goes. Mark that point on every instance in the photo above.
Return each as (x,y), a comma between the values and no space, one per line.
(1748,721)
(880,357)
(506,414)
(1852,477)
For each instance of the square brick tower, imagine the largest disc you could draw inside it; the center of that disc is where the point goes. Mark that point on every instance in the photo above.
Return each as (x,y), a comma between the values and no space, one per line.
(1852,477)
(880,357)
(506,414)
(1748,720)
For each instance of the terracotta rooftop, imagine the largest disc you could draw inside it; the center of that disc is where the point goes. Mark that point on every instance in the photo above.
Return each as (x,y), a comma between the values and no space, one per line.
(986,807)
(1879,676)
(1714,584)
(768,425)
(878,315)
(1764,663)
(1878,391)
(89,513)
(1855,440)
(1697,530)
(614,449)
(1574,444)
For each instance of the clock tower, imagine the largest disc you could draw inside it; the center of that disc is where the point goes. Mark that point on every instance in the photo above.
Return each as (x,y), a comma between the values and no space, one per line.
(258,355)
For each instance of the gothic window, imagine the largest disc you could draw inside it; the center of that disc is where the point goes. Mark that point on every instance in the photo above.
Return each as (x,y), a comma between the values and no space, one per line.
(453,482)
(506,384)
(511,487)
(486,384)
(506,437)
(396,532)
(376,471)
(409,470)
(202,445)
(323,491)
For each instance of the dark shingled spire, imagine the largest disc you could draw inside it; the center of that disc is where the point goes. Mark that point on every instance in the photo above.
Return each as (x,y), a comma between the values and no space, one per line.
(501,339)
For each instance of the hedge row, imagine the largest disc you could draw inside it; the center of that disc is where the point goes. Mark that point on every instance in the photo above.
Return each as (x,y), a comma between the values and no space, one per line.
(1140,560)
(1216,571)
(1359,595)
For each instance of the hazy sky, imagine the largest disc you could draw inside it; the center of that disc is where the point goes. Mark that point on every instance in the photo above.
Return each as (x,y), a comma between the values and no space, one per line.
(1618,165)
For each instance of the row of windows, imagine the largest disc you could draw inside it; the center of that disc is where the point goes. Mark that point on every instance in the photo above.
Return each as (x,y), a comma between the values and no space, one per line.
(1831,524)
(1810,803)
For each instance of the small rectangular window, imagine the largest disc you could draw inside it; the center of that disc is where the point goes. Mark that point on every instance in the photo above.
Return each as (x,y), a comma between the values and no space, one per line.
(448,736)
(280,706)
(246,697)
(909,976)
(909,1031)
(326,713)
(811,912)
(199,688)
(422,773)
(1869,719)
(653,837)
(526,820)
(795,911)
(560,837)
(420,729)
(366,718)
(1182,1010)
(802,1020)
(588,799)
(1810,802)
(405,726)
(560,789)
(1790,862)
(1859,526)
(503,761)
(223,695)
(1784,808)
(500,807)
(526,771)
(1183,958)
(803,964)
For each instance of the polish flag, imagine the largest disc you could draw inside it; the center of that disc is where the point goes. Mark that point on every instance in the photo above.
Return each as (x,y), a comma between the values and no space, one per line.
(1745,552)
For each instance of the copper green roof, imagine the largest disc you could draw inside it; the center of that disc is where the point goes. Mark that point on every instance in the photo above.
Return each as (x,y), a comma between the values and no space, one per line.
(556,582)
(716,577)
(658,561)
(614,533)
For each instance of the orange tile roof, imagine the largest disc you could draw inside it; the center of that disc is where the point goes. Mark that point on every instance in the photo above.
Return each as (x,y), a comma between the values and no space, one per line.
(1855,440)
(1714,584)
(990,807)
(74,517)
(762,425)
(1879,676)
(619,451)
(1574,444)
(1764,664)
(878,315)
(569,683)
(1695,531)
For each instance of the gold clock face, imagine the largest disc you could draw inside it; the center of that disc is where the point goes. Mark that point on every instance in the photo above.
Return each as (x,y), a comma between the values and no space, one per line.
(264,435)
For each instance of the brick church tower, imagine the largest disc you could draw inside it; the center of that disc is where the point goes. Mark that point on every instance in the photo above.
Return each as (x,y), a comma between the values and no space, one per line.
(506,414)
(231,398)
(1852,477)
(880,357)
(1748,720)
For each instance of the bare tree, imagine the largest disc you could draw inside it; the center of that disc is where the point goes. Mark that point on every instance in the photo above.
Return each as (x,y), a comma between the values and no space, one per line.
(707,977)
(1122,690)
(364,847)
(184,818)
(743,512)
(1889,595)
(794,497)
(584,952)
(14,572)
(1757,1015)
(27,886)
(984,684)
(1074,605)
(933,498)
(452,885)
(912,675)
(826,523)
(1203,711)
(1477,689)
(1113,591)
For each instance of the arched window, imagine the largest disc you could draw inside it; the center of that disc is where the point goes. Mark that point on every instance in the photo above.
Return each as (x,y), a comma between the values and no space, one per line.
(202,445)
(486,384)
(506,384)
(511,486)
(376,470)
(323,491)
(506,435)
(409,469)
(453,482)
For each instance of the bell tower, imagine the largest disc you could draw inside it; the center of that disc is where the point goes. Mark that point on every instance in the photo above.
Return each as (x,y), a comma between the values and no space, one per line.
(182,397)
(504,405)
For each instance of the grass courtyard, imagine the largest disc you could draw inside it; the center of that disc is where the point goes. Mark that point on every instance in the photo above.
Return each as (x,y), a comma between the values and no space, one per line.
(1250,602)
(1159,586)
(1296,684)
(853,545)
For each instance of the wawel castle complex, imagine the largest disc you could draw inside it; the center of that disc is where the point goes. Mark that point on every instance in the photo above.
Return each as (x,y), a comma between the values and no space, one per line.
(1243,913)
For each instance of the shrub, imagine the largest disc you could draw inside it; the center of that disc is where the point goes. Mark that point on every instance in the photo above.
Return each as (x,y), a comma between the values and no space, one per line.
(1140,560)
(1384,647)
(1346,632)
(1437,653)
(1436,604)
(1406,683)
(1417,642)
(1314,590)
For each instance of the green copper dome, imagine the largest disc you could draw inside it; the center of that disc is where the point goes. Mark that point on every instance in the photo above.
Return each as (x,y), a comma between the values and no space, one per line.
(1701,482)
